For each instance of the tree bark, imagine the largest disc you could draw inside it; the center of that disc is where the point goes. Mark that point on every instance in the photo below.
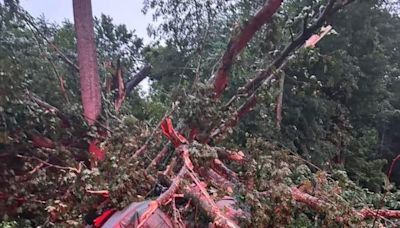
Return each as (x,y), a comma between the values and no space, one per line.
(89,76)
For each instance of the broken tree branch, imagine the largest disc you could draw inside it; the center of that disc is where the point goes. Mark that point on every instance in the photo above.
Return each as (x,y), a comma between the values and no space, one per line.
(163,198)
(321,205)
(49,108)
(266,75)
(195,194)
(137,78)
(254,84)
(55,48)
(160,156)
(212,211)
(239,41)
(76,170)
(372,213)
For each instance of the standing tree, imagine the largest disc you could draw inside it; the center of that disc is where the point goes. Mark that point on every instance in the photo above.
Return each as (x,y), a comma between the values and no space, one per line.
(89,77)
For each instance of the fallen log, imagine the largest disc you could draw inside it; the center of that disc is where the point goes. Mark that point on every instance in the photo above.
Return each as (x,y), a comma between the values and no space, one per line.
(320,205)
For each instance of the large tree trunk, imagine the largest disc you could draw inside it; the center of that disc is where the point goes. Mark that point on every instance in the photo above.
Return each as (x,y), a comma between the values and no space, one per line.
(89,77)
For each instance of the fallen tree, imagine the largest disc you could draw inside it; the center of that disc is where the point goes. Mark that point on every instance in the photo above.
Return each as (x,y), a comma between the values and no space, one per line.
(189,172)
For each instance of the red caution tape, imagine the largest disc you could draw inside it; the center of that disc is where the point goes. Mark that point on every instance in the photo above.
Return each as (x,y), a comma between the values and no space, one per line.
(169,131)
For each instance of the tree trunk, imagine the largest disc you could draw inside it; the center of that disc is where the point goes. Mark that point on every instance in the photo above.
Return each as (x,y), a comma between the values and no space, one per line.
(89,76)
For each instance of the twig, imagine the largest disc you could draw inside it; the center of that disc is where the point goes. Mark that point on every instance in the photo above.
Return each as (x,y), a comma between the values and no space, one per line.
(48,107)
(36,168)
(62,55)
(57,112)
(245,108)
(4,196)
(104,193)
(155,129)
(59,77)
(76,170)
(251,98)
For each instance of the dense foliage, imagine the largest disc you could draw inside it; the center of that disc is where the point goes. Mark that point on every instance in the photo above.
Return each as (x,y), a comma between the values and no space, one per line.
(340,127)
